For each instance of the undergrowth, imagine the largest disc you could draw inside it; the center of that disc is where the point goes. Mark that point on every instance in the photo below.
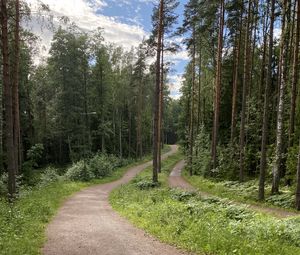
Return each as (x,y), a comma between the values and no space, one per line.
(204,225)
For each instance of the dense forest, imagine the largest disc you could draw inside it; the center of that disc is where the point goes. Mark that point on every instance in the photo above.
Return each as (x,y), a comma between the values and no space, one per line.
(240,94)
(88,96)
(216,171)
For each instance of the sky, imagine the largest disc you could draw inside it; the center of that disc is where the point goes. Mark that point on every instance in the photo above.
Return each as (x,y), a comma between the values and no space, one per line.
(125,22)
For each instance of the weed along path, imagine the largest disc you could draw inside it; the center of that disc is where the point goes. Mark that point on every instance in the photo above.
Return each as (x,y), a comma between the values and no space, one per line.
(177,181)
(86,224)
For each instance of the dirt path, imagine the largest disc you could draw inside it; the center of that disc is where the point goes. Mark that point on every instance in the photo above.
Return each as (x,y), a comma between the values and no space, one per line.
(86,224)
(177,181)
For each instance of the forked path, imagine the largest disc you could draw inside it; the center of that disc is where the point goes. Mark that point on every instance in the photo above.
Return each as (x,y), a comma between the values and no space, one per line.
(86,224)
(177,181)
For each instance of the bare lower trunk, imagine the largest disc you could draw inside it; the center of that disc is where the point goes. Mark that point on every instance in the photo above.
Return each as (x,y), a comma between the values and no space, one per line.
(263,159)
(191,130)
(8,106)
(156,95)
(246,77)
(282,85)
(161,98)
(218,81)
(295,78)
(15,89)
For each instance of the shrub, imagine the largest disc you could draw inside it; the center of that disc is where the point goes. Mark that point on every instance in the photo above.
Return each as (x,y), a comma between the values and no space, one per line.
(49,176)
(101,166)
(3,185)
(202,146)
(146,184)
(79,171)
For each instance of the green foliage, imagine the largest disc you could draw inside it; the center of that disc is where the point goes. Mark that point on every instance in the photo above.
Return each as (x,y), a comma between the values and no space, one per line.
(291,163)
(3,184)
(34,156)
(48,177)
(246,191)
(146,184)
(203,157)
(79,171)
(101,166)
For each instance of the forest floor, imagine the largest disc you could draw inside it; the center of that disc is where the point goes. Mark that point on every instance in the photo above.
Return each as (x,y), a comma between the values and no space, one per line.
(177,181)
(87,224)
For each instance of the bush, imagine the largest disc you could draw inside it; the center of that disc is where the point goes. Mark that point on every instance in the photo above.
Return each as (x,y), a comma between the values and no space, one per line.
(146,184)
(101,166)
(79,171)
(3,185)
(202,147)
(49,176)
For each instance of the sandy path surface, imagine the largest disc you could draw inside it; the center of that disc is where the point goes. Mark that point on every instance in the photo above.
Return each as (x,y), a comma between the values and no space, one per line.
(177,181)
(86,224)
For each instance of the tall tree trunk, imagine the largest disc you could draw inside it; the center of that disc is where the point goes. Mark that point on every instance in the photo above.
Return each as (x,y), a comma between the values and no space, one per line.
(235,80)
(199,120)
(218,82)
(246,73)
(295,78)
(8,106)
(15,89)
(161,99)
(298,183)
(156,94)
(280,111)
(263,159)
(191,129)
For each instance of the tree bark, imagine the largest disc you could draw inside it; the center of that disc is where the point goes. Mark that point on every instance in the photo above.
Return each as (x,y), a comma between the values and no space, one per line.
(246,73)
(282,86)
(295,78)
(161,98)
(235,81)
(191,130)
(156,95)
(218,85)
(263,159)
(8,106)
(15,89)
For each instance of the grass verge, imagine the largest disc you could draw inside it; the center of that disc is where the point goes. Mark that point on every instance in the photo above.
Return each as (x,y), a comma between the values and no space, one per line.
(23,224)
(246,192)
(203,226)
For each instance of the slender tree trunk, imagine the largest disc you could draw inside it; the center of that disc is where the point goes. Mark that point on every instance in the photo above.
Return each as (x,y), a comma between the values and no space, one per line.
(8,106)
(263,159)
(246,73)
(156,94)
(15,89)
(191,130)
(280,118)
(235,81)
(218,82)
(199,120)
(298,183)
(161,98)
(295,78)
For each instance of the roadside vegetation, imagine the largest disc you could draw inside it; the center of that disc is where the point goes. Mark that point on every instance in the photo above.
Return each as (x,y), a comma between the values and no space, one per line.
(23,223)
(242,192)
(202,225)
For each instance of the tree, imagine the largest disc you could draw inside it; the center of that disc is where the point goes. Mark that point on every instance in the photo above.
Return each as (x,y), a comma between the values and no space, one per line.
(265,126)
(282,80)
(156,143)
(8,104)
(218,81)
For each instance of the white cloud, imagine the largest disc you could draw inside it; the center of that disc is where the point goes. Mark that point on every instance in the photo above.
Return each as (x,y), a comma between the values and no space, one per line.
(175,84)
(84,14)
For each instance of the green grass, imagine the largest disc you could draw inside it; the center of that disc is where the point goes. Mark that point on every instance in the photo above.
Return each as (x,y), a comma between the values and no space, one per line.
(23,224)
(204,226)
(246,192)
